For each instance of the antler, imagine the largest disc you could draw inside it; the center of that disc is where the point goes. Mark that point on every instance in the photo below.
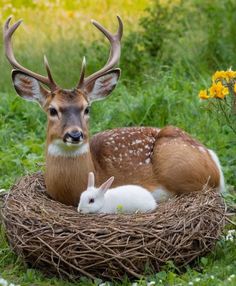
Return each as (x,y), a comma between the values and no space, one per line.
(83,82)
(7,34)
(113,57)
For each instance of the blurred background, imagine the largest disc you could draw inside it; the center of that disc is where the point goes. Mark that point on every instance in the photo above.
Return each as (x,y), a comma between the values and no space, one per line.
(169,51)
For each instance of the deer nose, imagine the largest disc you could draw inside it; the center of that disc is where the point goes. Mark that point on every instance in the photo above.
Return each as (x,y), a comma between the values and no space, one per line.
(73,136)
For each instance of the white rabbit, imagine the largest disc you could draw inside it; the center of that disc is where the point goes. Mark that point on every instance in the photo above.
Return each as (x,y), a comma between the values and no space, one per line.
(124,199)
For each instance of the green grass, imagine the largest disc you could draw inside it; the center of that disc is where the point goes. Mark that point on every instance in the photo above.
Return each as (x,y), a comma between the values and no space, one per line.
(159,86)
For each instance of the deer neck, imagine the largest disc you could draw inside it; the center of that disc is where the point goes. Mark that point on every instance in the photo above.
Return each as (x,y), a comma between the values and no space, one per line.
(67,171)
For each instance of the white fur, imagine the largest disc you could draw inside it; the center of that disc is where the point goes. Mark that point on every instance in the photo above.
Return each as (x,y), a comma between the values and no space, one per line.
(161,194)
(221,187)
(59,148)
(123,199)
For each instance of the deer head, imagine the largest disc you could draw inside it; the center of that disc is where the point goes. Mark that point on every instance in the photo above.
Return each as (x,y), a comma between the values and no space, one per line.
(67,110)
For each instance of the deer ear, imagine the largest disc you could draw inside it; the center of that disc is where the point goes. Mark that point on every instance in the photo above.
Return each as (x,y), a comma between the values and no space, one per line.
(29,88)
(102,86)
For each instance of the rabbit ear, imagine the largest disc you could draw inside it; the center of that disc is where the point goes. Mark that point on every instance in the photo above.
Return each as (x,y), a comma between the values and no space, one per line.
(105,186)
(91,180)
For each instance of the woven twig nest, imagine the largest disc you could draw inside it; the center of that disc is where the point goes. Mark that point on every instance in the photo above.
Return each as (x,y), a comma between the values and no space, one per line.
(56,239)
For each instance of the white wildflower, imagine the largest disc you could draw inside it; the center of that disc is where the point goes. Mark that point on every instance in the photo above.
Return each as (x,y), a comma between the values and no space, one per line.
(190,283)
(231,277)
(231,235)
(151,283)
(197,279)
(3,282)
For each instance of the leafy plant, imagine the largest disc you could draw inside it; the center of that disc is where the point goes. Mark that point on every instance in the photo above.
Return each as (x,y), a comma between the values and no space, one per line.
(222,96)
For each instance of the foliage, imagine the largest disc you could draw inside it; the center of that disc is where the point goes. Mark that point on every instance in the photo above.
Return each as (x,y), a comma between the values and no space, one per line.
(222,96)
(165,61)
(191,35)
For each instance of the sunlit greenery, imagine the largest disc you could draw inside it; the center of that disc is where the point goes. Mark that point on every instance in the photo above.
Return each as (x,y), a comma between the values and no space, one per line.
(168,55)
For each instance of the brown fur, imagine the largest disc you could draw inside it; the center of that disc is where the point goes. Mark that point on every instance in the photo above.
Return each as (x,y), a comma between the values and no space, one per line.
(66,177)
(176,160)
(172,160)
(182,164)
(121,153)
(63,100)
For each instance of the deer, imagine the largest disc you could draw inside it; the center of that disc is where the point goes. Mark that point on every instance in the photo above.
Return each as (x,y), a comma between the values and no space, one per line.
(166,161)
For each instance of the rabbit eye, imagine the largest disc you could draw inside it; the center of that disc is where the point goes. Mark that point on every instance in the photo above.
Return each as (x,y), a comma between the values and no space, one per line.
(91,201)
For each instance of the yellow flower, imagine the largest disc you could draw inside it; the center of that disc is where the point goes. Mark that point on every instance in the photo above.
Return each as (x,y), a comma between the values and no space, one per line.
(230,74)
(218,75)
(203,94)
(226,75)
(71,14)
(218,90)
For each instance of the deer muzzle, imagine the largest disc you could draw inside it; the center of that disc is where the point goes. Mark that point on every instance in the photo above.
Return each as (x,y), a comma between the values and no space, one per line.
(73,137)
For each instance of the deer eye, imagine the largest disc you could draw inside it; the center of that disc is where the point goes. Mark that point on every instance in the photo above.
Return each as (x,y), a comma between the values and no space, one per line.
(53,111)
(91,201)
(87,110)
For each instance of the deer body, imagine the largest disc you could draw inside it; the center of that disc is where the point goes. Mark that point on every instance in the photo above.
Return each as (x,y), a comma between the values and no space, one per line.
(165,161)
(155,161)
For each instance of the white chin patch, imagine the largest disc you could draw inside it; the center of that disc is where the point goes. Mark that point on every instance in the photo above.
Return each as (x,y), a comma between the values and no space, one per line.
(60,148)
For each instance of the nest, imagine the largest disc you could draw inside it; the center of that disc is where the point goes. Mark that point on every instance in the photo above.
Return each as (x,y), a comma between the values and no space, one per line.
(56,239)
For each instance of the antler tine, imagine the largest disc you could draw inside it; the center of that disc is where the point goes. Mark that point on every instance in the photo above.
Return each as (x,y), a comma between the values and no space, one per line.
(114,52)
(53,85)
(107,33)
(82,73)
(7,34)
